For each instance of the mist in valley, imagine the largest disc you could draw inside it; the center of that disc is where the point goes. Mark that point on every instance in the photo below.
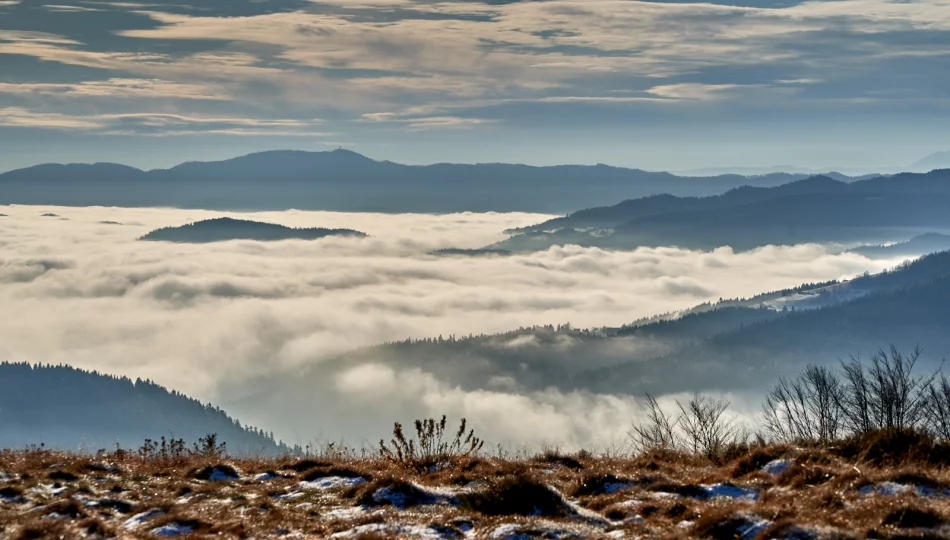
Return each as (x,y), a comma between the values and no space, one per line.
(285,334)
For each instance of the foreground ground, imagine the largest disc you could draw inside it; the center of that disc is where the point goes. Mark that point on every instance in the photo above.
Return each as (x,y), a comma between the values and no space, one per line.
(770,492)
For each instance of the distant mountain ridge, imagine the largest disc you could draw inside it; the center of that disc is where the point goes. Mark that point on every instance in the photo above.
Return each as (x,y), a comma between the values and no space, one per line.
(922,244)
(346,181)
(817,209)
(224,229)
(937,160)
(69,408)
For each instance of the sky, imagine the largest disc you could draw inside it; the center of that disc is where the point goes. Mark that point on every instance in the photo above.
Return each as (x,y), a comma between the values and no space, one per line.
(210,320)
(856,85)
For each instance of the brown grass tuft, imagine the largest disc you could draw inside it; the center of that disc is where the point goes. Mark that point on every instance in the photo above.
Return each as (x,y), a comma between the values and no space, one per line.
(914,517)
(520,495)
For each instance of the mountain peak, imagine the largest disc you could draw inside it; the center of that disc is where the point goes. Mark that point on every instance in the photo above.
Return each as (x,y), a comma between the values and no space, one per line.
(937,160)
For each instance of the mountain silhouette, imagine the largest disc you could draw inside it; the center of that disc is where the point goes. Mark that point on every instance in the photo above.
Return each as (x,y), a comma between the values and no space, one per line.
(346,181)
(223,229)
(937,160)
(68,408)
(818,209)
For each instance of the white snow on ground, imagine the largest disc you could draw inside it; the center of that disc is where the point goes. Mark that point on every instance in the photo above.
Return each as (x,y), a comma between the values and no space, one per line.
(755,526)
(47,490)
(777,466)
(222,475)
(423,495)
(263,477)
(895,488)
(12,499)
(138,520)
(816,298)
(172,529)
(331,482)
(614,487)
(730,492)
(541,529)
(351,512)
(392,529)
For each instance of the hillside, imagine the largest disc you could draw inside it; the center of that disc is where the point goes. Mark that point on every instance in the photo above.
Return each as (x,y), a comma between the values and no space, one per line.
(840,492)
(223,229)
(819,209)
(345,181)
(735,345)
(924,243)
(64,407)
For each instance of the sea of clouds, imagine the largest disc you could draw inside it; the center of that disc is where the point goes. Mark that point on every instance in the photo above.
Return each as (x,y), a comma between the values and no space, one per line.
(77,287)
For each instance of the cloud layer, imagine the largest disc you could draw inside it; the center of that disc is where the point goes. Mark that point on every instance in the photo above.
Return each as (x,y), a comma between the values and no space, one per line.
(370,70)
(78,288)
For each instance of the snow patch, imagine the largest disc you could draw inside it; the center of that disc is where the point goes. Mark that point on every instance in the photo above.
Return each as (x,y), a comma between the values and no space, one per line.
(46,489)
(776,466)
(220,474)
(541,529)
(895,488)
(138,520)
(727,491)
(331,482)
(753,527)
(172,529)
(352,512)
(392,529)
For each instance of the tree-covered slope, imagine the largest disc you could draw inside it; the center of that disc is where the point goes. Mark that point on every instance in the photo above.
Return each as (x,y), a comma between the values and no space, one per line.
(223,229)
(64,407)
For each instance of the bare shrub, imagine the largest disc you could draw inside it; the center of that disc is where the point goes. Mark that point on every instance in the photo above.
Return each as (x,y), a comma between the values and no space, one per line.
(430,446)
(937,408)
(657,432)
(701,426)
(208,446)
(886,394)
(707,430)
(807,408)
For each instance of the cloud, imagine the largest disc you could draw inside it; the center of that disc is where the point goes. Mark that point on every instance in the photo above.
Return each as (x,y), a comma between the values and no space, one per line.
(120,88)
(158,124)
(594,67)
(214,320)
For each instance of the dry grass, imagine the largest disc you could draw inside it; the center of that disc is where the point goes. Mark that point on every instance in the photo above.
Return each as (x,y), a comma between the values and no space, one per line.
(838,492)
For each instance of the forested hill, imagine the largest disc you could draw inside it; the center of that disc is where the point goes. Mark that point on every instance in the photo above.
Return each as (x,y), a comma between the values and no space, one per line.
(223,229)
(69,408)
(734,346)
(818,209)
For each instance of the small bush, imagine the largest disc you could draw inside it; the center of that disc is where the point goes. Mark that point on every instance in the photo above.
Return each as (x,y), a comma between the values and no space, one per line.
(914,518)
(430,446)
(892,447)
(520,495)
(555,457)
(756,459)
(598,485)
(324,472)
(723,525)
(394,492)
